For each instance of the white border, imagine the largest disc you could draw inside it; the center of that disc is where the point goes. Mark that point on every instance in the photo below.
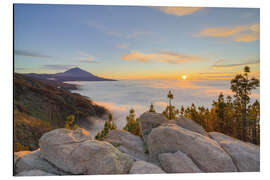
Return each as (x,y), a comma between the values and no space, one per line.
(6,106)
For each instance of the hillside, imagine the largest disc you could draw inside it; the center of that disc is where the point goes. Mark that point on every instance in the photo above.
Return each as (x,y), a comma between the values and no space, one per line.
(40,106)
(73,74)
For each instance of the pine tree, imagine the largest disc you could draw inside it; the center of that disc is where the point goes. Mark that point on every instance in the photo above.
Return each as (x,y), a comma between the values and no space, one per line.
(242,86)
(152,109)
(70,123)
(170,97)
(132,125)
(182,111)
(108,126)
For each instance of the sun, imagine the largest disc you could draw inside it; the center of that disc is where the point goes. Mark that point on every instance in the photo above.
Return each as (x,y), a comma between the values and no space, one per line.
(184,77)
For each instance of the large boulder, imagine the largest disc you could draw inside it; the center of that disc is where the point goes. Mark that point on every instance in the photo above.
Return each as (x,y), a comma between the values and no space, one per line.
(18,155)
(74,152)
(34,172)
(204,151)
(128,143)
(150,120)
(142,167)
(246,156)
(32,160)
(190,125)
(177,163)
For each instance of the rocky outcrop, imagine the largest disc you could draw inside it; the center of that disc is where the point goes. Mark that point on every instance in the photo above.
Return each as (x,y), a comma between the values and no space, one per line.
(76,153)
(142,167)
(170,149)
(190,125)
(150,120)
(205,152)
(34,172)
(177,163)
(246,156)
(128,143)
(31,160)
(18,155)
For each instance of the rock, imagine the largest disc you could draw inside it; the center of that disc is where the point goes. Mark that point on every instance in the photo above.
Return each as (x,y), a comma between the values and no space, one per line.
(177,163)
(204,151)
(32,160)
(150,120)
(18,155)
(35,172)
(190,125)
(142,167)
(77,154)
(246,156)
(57,144)
(127,143)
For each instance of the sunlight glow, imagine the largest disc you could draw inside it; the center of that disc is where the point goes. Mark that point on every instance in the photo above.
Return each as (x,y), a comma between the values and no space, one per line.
(184,77)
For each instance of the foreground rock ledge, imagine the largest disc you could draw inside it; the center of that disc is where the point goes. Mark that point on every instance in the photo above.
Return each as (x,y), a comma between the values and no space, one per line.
(142,167)
(31,161)
(190,125)
(177,163)
(246,156)
(204,151)
(150,120)
(128,143)
(35,172)
(78,154)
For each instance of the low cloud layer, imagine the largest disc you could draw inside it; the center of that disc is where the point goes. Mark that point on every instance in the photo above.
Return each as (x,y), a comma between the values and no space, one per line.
(246,33)
(179,11)
(163,56)
(30,54)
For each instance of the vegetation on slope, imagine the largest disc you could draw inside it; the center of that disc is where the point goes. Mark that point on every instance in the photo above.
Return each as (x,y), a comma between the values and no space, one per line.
(40,107)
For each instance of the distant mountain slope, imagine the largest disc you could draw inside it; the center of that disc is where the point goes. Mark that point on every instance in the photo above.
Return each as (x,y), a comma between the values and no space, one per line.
(40,107)
(74,74)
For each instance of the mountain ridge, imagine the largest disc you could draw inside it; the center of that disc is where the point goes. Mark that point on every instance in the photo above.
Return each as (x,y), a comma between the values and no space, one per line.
(73,74)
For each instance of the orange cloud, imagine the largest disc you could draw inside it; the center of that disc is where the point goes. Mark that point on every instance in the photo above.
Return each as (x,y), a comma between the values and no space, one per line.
(221,31)
(164,56)
(246,33)
(179,11)
(247,37)
(137,56)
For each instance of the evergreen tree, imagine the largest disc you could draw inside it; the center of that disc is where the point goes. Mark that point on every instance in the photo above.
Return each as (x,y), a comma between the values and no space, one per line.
(182,111)
(170,108)
(108,126)
(70,123)
(254,119)
(132,125)
(242,86)
(152,109)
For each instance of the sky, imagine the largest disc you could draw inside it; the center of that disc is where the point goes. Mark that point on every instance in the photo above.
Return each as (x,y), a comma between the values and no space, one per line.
(132,42)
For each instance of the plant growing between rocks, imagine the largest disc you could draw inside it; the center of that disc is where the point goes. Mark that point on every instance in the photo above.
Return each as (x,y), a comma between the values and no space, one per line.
(108,126)
(132,125)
